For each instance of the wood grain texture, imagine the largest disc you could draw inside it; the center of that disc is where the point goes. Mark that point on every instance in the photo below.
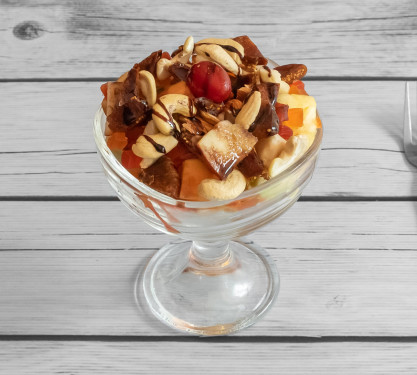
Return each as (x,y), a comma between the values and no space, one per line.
(323,293)
(203,356)
(67,39)
(339,276)
(47,148)
(306,226)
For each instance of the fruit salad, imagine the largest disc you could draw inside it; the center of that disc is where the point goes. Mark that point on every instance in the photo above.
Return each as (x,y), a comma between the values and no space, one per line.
(210,120)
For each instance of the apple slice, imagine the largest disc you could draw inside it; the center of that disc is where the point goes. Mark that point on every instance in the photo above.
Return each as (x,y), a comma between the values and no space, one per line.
(225,146)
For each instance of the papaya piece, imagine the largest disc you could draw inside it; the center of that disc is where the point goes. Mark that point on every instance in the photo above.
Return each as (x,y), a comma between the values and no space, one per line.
(177,88)
(297,87)
(117,140)
(193,172)
(295,118)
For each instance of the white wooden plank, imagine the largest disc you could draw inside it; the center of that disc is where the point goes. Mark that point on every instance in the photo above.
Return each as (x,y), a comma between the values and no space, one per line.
(47,147)
(83,39)
(339,276)
(307,225)
(50,357)
(323,293)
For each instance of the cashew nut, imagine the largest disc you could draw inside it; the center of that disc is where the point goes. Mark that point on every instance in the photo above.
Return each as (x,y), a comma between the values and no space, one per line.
(166,106)
(269,75)
(269,148)
(219,55)
(292,151)
(147,162)
(162,66)
(161,144)
(218,190)
(148,86)
(150,128)
(227,42)
(249,111)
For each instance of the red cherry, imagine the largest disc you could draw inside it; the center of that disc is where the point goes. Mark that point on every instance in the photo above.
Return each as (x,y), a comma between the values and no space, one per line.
(209,80)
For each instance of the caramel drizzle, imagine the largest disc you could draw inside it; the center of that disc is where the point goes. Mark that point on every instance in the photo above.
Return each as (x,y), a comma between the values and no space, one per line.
(159,148)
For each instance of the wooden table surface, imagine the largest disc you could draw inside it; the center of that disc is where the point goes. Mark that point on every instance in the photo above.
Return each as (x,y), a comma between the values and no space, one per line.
(69,250)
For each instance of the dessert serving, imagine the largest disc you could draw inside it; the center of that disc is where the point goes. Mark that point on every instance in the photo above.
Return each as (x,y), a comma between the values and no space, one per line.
(210,120)
(208,144)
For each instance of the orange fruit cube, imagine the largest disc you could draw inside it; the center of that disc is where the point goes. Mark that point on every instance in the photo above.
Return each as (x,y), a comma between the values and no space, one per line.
(177,88)
(295,118)
(297,87)
(117,140)
(193,172)
(130,160)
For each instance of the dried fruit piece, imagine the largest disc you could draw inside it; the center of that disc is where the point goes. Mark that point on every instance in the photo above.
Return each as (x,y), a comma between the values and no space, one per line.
(179,71)
(297,87)
(193,172)
(162,176)
(149,63)
(252,53)
(291,72)
(295,118)
(103,89)
(285,132)
(318,121)
(117,141)
(209,80)
(132,135)
(252,165)
(209,106)
(113,95)
(130,160)
(180,88)
(267,121)
(132,113)
(225,146)
(179,154)
(282,112)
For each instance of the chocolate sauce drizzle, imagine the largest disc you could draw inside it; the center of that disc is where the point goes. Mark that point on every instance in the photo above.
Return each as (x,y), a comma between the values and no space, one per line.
(169,119)
(159,148)
(224,46)
(268,69)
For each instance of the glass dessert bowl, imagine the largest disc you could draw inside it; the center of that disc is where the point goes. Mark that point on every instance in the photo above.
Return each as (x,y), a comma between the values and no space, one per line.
(210,283)
(208,144)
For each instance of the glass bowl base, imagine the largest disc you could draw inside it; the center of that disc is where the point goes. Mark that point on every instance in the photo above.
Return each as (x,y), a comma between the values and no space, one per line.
(214,295)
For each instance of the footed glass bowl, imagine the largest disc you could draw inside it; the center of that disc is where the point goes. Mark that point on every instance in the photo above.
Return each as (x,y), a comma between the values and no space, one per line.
(209,282)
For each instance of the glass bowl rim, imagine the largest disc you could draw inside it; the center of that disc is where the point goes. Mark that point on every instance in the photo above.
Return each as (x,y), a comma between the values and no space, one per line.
(134,183)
